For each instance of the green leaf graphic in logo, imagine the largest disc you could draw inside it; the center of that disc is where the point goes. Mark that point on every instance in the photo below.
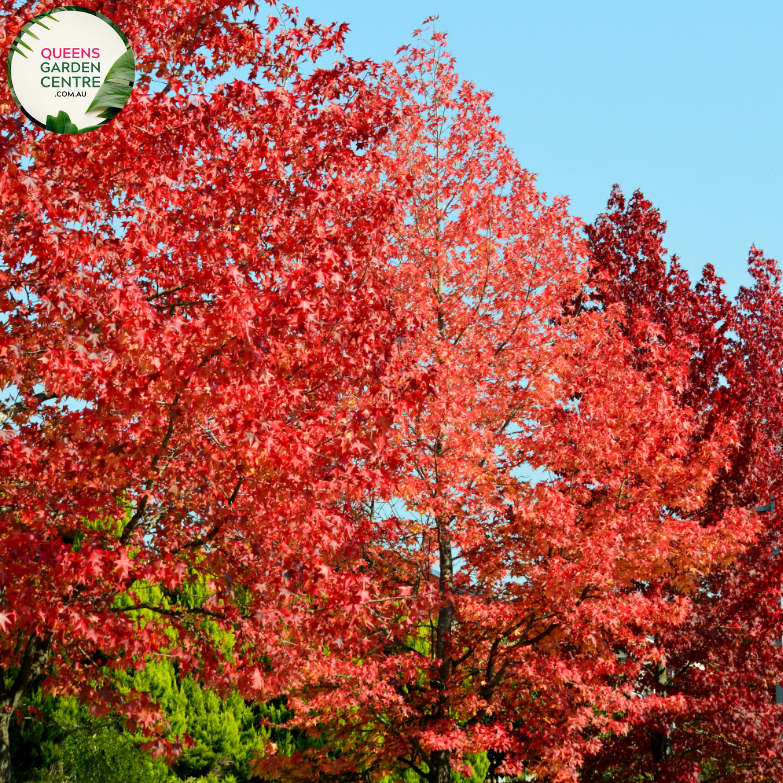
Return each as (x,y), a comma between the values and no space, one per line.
(61,123)
(116,88)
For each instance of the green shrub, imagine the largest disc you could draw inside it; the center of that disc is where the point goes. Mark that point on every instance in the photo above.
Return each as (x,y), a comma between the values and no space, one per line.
(102,754)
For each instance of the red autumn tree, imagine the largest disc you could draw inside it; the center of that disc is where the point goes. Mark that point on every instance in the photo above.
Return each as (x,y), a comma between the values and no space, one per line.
(556,468)
(706,712)
(198,357)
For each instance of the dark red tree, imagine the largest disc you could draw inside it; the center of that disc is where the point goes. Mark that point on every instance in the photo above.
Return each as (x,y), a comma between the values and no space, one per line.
(706,710)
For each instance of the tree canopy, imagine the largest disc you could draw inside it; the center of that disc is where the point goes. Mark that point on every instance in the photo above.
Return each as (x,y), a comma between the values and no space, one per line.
(312,398)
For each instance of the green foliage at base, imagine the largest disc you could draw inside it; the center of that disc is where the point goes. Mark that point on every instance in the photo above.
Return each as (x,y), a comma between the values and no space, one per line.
(65,743)
(103,755)
(226,732)
(61,742)
(478,761)
(480,764)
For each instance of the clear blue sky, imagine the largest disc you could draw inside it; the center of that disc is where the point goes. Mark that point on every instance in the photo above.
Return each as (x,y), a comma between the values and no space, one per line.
(681,99)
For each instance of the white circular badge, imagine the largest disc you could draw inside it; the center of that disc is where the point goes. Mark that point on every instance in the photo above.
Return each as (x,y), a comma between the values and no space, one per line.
(71,70)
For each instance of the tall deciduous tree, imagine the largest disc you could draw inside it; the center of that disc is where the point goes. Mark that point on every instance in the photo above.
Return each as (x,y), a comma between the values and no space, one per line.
(708,710)
(198,357)
(556,467)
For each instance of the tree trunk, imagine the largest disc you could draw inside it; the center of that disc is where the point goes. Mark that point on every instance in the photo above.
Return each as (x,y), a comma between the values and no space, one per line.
(440,767)
(495,758)
(31,667)
(5,744)
(660,746)
(440,760)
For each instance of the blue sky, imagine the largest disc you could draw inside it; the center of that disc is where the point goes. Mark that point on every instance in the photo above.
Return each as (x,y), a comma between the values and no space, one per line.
(680,99)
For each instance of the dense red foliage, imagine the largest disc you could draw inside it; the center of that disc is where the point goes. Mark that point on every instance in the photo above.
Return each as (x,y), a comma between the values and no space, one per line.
(567,460)
(708,711)
(199,357)
(306,386)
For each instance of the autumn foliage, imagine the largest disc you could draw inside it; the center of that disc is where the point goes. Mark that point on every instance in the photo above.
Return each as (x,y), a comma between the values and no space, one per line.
(709,711)
(307,388)
(199,359)
(586,464)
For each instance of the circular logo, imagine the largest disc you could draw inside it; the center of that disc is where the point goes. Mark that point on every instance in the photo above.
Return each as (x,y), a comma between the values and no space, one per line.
(71,70)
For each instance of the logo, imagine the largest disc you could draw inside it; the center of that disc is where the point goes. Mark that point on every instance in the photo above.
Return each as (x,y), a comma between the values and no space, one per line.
(71,70)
